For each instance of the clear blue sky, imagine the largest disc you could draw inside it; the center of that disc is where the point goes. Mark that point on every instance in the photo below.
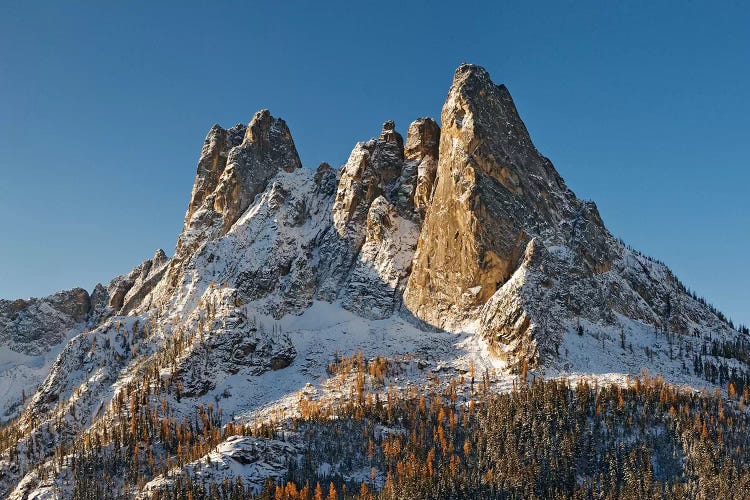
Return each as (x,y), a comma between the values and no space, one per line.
(103,110)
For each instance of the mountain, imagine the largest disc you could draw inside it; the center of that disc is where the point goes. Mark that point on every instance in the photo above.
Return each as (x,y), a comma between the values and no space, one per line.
(455,254)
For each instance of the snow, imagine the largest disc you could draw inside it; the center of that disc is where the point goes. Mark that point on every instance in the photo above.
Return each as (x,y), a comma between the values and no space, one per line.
(267,238)
(22,374)
(326,329)
(598,355)
(253,459)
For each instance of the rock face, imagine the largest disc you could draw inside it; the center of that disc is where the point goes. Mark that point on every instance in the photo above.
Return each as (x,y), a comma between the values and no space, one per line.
(421,150)
(128,291)
(309,235)
(373,169)
(376,183)
(211,165)
(32,326)
(466,228)
(493,193)
(266,149)
(235,165)
(493,190)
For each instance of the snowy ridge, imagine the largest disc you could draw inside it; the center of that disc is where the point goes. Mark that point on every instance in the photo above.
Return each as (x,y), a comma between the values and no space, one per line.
(281,270)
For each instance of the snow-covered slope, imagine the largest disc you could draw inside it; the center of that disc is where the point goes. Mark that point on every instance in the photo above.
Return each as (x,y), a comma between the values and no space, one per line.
(451,253)
(33,332)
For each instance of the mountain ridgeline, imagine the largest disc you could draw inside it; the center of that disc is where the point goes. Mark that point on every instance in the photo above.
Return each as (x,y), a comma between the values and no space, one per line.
(457,249)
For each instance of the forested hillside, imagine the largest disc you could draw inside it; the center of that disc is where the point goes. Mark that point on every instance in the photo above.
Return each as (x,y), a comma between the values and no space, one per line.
(459,439)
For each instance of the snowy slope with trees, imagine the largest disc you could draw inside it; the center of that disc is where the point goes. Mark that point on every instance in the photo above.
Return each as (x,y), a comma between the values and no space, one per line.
(426,275)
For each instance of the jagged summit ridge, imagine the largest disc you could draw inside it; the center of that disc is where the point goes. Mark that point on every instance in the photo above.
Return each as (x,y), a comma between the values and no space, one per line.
(507,244)
(494,189)
(454,246)
(235,165)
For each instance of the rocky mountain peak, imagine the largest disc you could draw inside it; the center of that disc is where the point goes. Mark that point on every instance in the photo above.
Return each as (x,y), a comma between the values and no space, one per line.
(422,139)
(484,118)
(504,241)
(235,165)
(491,191)
(467,228)
(160,258)
(494,193)
(389,134)
(373,169)
(267,149)
(421,152)
(30,326)
(270,141)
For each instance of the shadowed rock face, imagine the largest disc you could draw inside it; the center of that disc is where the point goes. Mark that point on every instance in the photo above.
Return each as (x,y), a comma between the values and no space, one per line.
(235,166)
(32,326)
(365,256)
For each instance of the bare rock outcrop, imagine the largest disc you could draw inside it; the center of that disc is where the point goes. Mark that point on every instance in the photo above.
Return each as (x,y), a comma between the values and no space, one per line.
(266,149)
(31,326)
(125,291)
(235,166)
(493,191)
(212,162)
(373,170)
(382,267)
(421,150)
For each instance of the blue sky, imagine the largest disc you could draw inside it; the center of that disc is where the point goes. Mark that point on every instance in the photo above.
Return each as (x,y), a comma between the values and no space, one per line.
(103,110)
